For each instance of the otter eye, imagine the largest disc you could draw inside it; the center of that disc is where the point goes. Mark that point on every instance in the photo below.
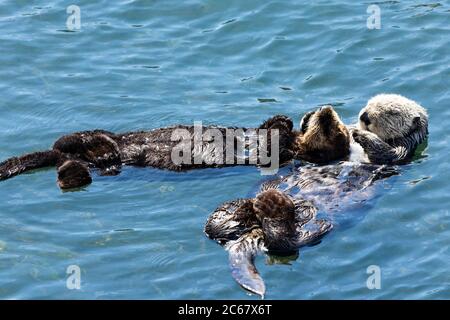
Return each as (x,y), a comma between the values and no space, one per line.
(305,121)
(365,118)
(393,113)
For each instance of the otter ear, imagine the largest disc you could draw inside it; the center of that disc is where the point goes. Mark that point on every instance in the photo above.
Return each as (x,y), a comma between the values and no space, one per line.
(416,121)
(305,120)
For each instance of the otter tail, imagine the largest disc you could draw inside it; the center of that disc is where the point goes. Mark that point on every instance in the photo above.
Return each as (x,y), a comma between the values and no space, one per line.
(17,165)
(242,253)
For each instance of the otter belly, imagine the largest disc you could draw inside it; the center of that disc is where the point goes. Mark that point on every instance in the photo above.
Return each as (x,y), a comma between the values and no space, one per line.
(339,191)
(357,153)
(183,147)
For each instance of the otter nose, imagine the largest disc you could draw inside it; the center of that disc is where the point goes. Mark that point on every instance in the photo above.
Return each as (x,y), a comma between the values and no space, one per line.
(365,118)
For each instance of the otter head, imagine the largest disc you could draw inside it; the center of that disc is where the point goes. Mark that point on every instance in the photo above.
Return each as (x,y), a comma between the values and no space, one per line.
(323,137)
(276,214)
(395,119)
(274,204)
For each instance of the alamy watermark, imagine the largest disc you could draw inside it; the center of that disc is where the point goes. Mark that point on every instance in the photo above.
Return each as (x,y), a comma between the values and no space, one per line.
(374,20)
(234,147)
(73,281)
(73,21)
(374,280)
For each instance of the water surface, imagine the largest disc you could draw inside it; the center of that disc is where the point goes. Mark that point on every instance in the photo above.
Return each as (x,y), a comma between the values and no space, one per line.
(146,64)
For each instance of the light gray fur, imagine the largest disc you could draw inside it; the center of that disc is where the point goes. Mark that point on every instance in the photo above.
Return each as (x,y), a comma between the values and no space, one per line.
(397,127)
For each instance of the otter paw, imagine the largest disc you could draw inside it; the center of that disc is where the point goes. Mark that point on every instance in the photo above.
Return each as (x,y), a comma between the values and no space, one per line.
(278,122)
(359,137)
(355,132)
(73,174)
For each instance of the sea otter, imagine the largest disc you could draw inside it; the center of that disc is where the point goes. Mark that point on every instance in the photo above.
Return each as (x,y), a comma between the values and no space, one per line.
(281,218)
(390,128)
(271,222)
(75,154)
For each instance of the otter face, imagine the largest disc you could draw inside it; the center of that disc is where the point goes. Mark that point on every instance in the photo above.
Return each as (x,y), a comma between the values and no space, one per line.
(324,137)
(391,116)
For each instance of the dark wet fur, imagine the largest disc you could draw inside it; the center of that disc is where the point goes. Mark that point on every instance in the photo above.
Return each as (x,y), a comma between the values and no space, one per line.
(73,174)
(285,218)
(31,161)
(107,152)
(271,222)
(326,140)
(283,215)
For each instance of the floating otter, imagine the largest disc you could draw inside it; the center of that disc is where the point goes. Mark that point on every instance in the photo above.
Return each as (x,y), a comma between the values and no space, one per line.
(390,128)
(282,217)
(75,154)
(266,223)
(271,222)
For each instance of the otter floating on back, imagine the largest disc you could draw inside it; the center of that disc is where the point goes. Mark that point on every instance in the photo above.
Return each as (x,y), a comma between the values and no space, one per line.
(76,154)
(283,216)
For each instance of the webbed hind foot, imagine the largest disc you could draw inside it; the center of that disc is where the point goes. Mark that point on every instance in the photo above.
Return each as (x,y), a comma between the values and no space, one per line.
(95,147)
(73,174)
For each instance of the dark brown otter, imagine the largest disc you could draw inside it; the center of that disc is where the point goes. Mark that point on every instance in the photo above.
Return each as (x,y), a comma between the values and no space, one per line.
(323,138)
(273,222)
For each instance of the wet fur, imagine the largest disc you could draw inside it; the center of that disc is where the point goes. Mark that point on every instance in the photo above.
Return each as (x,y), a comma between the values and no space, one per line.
(271,222)
(107,152)
(391,127)
(324,138)
(329,189)
(284,213)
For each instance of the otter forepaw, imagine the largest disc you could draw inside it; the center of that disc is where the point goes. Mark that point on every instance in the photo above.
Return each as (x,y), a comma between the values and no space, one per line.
(361,137)
(313,232)
(356,132)
(377,150)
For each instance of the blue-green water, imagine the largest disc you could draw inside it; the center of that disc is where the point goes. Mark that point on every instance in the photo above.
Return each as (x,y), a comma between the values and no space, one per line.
(146,64)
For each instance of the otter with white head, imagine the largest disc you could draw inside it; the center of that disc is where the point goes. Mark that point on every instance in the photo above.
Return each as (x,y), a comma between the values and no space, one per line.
(391,128)
(268,224)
